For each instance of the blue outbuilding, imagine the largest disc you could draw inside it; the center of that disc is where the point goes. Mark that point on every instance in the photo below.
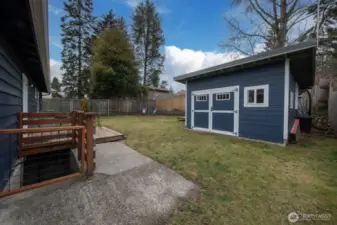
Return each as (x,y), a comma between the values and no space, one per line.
(255,97)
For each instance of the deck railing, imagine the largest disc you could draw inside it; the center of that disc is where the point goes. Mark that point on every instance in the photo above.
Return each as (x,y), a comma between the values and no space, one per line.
(46,148)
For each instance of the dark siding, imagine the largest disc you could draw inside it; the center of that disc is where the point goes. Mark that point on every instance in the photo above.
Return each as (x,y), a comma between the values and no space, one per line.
(10,105)
(256,123)
(292,112)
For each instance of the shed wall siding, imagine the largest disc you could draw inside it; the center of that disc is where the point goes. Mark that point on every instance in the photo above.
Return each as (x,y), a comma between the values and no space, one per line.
(255,123)
(10,105)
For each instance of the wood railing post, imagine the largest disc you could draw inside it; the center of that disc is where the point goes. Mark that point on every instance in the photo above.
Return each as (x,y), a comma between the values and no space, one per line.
(90,118)
(80,118)
(74,123)
(20,126)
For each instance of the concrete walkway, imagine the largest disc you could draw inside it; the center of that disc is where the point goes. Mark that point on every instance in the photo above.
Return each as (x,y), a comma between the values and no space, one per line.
(128,188)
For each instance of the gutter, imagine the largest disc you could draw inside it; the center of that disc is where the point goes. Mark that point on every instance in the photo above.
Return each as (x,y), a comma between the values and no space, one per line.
(39,15)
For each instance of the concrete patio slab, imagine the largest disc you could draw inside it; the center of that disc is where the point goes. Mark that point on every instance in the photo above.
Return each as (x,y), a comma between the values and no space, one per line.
(113,158)
(127,188)
(104,135)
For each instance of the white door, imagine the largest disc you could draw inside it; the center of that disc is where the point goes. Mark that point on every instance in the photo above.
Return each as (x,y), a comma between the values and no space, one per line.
(224,106)
(216,110)
(24,93)
(200,110)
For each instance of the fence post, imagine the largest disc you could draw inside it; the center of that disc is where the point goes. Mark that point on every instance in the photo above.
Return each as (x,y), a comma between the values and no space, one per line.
(90,117)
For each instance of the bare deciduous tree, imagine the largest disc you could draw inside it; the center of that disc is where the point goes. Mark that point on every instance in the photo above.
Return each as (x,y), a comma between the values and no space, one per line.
(271,23)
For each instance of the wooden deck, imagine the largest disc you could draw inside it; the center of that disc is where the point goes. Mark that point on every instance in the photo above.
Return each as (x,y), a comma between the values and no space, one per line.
(104,135)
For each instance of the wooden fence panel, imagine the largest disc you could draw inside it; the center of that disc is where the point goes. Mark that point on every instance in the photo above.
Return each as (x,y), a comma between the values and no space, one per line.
(107,107)
(171,104)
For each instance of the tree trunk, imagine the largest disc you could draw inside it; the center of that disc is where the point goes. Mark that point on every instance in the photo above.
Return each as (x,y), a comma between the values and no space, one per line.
(146,46)
(79,75)
(281,35)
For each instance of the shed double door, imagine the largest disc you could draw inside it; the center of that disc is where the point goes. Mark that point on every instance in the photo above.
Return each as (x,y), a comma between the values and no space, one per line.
(216,110)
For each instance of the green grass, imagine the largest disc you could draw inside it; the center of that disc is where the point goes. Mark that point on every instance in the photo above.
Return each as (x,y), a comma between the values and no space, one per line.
(241,182)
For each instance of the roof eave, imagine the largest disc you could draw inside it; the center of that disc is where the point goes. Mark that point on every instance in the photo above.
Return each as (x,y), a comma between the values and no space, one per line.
(39,15)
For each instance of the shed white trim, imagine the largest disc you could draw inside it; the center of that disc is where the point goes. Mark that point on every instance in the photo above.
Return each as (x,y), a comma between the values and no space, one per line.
(209,93)
(286,100)
(186,105)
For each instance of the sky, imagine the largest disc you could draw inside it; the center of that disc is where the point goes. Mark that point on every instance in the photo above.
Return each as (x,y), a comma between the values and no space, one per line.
(193,30)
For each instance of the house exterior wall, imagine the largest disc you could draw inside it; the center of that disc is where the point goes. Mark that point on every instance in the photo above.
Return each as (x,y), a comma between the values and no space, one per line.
(152,95)
(262,123)
(10,106)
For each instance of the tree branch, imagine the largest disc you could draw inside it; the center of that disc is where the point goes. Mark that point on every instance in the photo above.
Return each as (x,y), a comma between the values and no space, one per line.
(260,13)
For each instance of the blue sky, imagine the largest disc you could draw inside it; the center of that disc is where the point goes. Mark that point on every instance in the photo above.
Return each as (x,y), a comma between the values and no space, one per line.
(193,30)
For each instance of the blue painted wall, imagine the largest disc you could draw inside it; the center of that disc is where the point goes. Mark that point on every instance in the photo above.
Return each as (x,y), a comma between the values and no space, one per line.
(255,123)
(10,106)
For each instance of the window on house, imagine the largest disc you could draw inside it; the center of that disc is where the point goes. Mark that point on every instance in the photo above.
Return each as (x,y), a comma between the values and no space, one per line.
(223,96)
(256,96)
(201,98)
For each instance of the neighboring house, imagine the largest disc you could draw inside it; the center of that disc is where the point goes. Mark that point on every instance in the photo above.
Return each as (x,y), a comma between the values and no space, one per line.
(24,69)
(53,94)
(153,93)
(181,93)
(254,97)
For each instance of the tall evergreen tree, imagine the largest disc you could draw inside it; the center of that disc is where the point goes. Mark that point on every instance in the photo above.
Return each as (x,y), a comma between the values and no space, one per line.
(109,20)
(147,36)
(114,67)
(76,31)
(55,84)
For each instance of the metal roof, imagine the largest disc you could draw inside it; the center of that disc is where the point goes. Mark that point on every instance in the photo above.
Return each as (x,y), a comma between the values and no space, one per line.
(249,61)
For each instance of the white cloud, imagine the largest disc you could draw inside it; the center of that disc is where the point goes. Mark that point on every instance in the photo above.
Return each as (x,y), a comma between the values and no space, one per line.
(55,69)
(58,45)
(55,10)
(177,62)
(133,4)
(180,61)
(163,10)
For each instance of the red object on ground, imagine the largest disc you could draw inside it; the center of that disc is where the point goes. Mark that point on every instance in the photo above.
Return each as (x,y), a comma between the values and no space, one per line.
(295,126)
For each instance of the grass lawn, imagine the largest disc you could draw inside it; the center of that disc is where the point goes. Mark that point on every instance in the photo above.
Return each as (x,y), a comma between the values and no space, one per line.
(242,182)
